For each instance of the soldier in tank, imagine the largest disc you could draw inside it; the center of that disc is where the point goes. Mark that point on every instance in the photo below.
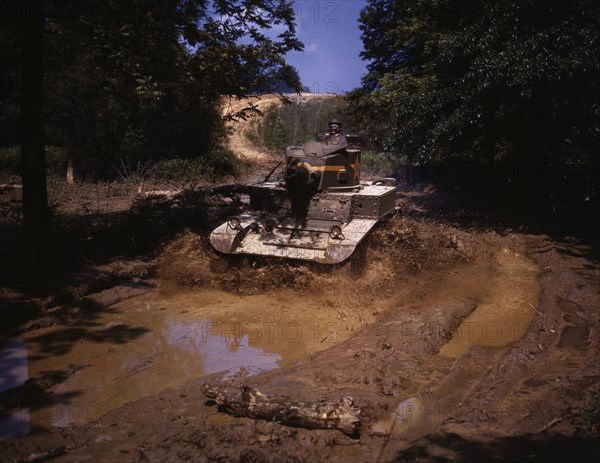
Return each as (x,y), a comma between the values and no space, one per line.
(334,130)
(301,180)
(335,127)
(334,136)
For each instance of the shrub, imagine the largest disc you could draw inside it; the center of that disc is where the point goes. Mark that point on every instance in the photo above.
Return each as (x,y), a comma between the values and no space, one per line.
(219,163)
(10,160)
(385,164)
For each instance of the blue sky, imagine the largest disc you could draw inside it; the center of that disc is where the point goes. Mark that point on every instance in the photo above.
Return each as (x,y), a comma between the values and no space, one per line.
(330,62)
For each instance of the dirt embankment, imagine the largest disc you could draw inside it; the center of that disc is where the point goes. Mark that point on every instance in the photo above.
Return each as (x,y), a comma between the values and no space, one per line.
(261,159)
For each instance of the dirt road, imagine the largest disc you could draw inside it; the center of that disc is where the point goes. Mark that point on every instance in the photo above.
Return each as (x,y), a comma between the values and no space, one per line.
(410,330)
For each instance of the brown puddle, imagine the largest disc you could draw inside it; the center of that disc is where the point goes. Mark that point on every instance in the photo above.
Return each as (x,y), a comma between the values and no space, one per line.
(144,345)
(159,340)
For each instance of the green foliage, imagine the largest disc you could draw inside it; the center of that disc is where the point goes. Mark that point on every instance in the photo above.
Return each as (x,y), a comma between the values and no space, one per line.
(56,160)
(10,160)
(9,73)
(132,82)
(383,164)
(219,162)
(508,86)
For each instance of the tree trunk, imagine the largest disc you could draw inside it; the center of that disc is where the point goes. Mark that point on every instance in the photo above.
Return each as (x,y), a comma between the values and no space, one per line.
(70,171)
(33,163)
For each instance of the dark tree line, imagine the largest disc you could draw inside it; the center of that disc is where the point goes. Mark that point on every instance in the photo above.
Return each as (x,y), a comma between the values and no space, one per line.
(500,91)
(129,81)
(133,80)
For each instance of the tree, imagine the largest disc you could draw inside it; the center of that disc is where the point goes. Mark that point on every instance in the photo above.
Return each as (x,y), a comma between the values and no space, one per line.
(507,85)
(10,68)
(33,167)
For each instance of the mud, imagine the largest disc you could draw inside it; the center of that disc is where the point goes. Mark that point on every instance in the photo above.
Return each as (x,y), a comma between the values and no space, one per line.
(504,312)
(456,344)
(160,339)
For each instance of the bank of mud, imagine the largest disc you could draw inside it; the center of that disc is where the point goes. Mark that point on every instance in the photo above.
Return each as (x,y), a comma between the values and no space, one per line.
(392,320)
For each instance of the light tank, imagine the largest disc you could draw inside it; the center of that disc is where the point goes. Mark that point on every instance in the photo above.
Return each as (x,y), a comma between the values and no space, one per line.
(320,211)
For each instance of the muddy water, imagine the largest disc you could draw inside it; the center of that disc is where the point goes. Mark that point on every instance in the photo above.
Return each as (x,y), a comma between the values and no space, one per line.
(408,414)
(141,346)
(146,344)
(507,299)
(14,371)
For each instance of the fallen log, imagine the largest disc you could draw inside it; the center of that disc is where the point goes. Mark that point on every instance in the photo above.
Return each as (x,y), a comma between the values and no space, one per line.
(208,191)
(251,403)
(168,194)
(10,186)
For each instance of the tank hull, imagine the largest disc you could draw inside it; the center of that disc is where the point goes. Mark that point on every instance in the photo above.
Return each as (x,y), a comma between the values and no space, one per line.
(328,229)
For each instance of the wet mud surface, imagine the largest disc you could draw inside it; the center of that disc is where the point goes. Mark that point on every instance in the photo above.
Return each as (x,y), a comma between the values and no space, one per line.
(456,344)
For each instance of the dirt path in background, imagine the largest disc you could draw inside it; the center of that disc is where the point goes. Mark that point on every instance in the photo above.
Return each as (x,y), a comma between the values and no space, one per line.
(238,141)
(262,158)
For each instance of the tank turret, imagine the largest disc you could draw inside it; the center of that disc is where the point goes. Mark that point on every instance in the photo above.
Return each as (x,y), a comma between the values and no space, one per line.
(326,162)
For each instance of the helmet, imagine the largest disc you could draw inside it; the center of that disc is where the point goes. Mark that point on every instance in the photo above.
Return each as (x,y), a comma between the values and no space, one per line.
(334,126)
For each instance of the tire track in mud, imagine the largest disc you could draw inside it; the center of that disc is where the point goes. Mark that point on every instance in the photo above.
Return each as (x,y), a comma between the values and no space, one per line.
(444,406)
(393,368)
(534,400)
(501,317)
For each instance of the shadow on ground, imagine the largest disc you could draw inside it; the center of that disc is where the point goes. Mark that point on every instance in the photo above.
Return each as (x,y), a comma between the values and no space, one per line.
(445,448)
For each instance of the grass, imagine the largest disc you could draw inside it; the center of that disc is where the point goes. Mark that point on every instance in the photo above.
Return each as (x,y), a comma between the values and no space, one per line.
(219,163)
